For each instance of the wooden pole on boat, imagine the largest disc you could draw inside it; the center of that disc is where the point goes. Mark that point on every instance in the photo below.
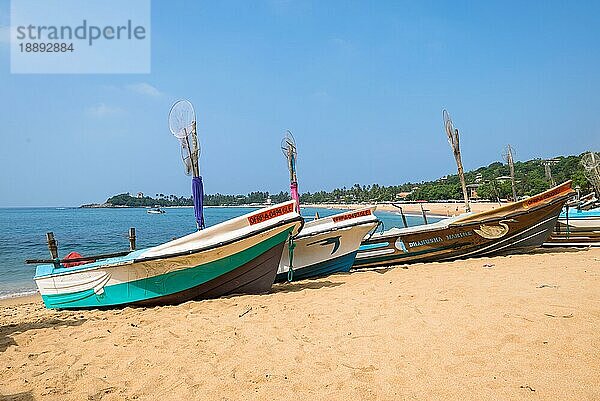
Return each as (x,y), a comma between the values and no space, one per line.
(511,166)
(132,239)
(401,214)
(52,246)
(461,175)
(424,213)
(453,138)
(403,218)
(567,214)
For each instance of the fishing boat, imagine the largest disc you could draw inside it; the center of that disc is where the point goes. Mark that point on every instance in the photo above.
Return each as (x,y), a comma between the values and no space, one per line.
(325,245)
(579,223)
(239,256)
(576,227)
(514,228)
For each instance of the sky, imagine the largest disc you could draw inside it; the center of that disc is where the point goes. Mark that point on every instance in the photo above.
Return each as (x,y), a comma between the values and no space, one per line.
(361,85)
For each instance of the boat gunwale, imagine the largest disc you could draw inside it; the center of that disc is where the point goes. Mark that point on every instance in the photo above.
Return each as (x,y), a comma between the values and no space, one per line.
(335,228)
(177,254)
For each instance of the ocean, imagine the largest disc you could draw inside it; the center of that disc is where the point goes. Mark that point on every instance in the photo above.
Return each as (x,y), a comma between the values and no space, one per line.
(96,231)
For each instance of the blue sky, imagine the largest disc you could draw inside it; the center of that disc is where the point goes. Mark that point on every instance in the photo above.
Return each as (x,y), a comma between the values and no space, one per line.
(360,84)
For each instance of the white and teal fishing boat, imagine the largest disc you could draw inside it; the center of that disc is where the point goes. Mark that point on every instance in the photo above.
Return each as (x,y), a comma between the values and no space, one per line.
(237,256)
(325,245)
(580,220)
(576,227)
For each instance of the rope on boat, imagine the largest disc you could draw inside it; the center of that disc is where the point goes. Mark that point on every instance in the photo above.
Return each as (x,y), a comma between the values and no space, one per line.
(379,224)
(291,246)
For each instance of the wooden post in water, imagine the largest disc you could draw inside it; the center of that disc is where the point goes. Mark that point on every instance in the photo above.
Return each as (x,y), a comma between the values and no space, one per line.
(132,239)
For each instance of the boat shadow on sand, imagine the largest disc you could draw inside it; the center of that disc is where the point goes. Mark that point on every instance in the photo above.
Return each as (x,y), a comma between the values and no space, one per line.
(304,285)
(558,249)
(8,330)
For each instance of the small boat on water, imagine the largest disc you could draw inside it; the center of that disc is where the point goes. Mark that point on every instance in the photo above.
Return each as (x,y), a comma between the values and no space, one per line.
(576,227)
(155,210)
(325,245)
(514,228)
(237,256)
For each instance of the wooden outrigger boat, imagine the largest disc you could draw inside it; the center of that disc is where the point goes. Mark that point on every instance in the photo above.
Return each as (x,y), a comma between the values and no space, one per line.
(239,256)
(325,245)
(514,228)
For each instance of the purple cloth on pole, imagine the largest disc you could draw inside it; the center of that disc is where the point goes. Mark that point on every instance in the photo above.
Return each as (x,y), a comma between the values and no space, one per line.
(198,196)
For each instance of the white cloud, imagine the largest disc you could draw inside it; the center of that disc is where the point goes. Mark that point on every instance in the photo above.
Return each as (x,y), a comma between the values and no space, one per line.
(102,110)
(145,89)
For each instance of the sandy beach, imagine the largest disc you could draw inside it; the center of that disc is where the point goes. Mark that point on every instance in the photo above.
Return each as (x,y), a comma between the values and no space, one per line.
(519,327)
(438,209)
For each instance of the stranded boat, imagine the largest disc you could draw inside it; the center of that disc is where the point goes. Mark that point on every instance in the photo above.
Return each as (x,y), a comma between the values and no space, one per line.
(517,227)
(576,228)
(237,256)
(326,245)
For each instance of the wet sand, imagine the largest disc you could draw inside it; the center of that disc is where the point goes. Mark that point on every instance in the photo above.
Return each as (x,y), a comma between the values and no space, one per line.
(523,327)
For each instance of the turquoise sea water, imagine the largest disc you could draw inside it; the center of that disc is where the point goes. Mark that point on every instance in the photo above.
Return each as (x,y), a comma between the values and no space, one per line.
(95,231)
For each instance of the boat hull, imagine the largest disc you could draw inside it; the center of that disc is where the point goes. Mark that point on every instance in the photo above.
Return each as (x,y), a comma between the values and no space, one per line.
(251,270)
(574,224)
(341,264)
(516,231)
(320,251)
(254,277)
(578,229)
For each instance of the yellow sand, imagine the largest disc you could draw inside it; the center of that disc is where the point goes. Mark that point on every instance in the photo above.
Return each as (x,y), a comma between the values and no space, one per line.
(506,328)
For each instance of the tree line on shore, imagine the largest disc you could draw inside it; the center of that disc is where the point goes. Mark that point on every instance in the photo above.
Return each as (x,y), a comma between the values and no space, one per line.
(531,178)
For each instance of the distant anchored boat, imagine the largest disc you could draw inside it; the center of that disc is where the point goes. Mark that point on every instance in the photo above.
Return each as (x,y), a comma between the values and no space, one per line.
(155,210)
